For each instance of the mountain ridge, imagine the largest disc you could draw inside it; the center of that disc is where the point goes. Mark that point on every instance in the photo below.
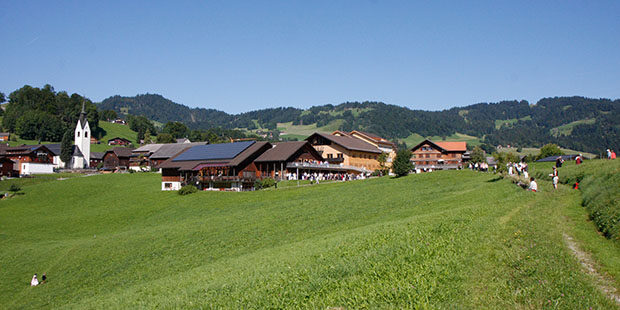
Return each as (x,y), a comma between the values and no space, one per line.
(505,122)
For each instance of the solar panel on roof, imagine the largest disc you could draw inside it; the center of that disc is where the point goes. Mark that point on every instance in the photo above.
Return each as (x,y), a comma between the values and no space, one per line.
(214,151)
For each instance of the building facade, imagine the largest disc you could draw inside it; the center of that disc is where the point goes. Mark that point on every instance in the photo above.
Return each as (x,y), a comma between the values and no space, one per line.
(438,155)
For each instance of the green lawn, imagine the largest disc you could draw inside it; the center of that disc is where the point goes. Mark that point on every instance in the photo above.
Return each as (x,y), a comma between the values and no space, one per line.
(535,151)
(454,239)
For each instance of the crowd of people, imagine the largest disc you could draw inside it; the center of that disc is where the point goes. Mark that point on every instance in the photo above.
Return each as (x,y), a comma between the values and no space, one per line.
(320,176)
(484,167)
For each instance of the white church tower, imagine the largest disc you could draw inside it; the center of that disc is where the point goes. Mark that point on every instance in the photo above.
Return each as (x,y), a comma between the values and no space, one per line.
(82,141)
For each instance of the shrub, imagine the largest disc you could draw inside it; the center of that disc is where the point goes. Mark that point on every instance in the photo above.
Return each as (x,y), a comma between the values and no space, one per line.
(14,188)
(187,189)
(264,183)
(549,150)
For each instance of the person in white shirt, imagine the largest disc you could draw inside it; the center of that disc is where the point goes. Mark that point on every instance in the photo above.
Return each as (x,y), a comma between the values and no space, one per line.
(34,281)
(533,186)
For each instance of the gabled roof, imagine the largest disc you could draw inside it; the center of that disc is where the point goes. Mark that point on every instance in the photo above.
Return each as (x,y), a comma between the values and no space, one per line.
(22,150)
(453,146)
(168,150)
(54,148)
(283,151)
(120,151)
(148,148)
(119,138)
(96,155)
(373,137)
(253,150)
(75,151)
(348,142)
(444,146)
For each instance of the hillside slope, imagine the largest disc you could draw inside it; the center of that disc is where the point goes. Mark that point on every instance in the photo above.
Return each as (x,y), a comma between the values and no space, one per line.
(429,240)
(573,122)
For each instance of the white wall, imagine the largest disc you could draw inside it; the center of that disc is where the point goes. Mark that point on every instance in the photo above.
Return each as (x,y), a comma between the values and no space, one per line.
(174,186)
(35,168)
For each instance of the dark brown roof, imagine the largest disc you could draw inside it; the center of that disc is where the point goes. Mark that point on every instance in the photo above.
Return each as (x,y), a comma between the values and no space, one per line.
(22,150)
(349,143)
(96,155)
(284,150)
(237,160)
(120,151)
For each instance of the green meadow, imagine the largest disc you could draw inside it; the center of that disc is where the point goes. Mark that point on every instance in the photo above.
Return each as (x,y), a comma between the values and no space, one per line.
(448,239)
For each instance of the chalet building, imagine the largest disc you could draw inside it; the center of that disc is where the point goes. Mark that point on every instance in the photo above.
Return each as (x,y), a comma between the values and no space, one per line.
(225,166)
(346,150)
(382,144)
(4,136)
(139,159)
(29,159)
(7,167)
(183,140)
(166,151)
(119,141)
(438,155)
(117,158)
(285,157)
(96,158)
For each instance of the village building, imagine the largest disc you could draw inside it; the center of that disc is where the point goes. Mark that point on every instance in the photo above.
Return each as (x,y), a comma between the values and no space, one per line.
(438,155)
(382,144)
(119,141)
(82,135)
(278,161)
(77,158)
(96,158)
(225,166)
(4,136)
(7,167)
(183,140)
(168,150)
(139,160)
(29,159)
(346,150)
(117,158)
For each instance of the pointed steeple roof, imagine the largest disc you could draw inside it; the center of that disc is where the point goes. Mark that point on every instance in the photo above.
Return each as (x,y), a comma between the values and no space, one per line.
(83,119)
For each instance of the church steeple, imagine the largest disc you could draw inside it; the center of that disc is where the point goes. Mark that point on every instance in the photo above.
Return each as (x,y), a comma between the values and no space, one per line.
(83,116)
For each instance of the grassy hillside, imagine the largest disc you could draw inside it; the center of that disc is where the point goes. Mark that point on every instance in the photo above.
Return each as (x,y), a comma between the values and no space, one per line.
(112,130)
(431,240)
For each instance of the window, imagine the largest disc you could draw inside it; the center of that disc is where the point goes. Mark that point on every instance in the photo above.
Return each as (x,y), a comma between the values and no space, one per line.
(78,134)
(167,185)
(86,134)
(330,155)
(340,155)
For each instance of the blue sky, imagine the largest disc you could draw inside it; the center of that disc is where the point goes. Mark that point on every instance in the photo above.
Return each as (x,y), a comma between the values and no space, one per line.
(241,56)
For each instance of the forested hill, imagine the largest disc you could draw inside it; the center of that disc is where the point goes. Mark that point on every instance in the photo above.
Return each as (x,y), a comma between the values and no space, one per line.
(572,122)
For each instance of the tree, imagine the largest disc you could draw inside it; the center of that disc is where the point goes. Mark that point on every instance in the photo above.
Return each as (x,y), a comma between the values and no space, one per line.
(66,148)
(165,138)
(140,124)
(402,163)
(382,159)
(549,149)
(39,125)
(2,98)
(477,155)
(108,115)
(147,137)
(176,129)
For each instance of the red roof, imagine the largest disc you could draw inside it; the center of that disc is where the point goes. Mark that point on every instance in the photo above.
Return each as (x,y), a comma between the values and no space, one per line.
(453,146)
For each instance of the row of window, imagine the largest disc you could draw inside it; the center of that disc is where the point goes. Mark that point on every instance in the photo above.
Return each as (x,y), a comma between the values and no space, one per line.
(453,155)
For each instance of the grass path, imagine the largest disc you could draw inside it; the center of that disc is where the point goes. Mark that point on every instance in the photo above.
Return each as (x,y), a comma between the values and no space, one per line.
(437,240)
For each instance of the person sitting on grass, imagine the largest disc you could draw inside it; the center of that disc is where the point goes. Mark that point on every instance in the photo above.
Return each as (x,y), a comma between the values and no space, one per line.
(43,278)
(34,281)
(533,186)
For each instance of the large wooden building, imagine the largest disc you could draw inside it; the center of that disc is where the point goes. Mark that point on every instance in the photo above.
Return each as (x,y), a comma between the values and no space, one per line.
(438,155)
(382,144)
(117,158)
(29,159)
(225,166)
(284,157)
(346,150)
